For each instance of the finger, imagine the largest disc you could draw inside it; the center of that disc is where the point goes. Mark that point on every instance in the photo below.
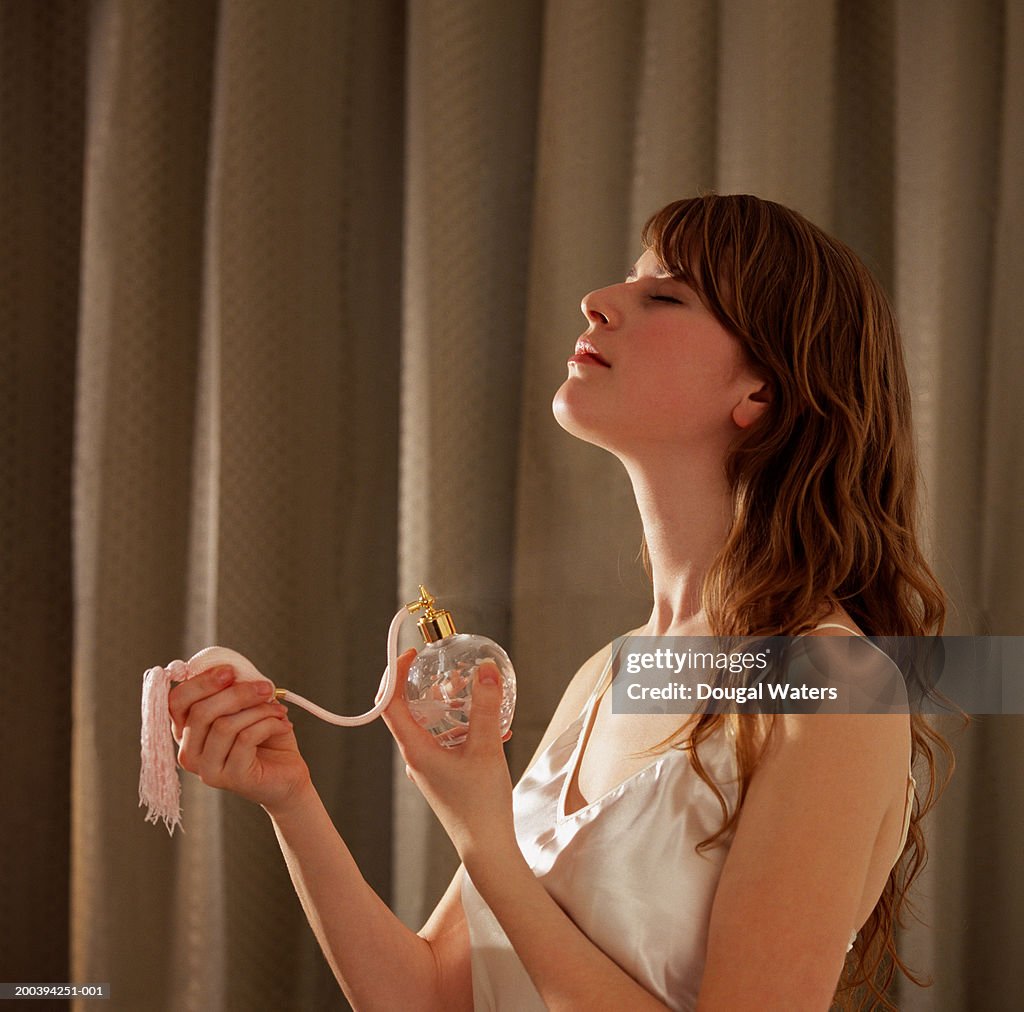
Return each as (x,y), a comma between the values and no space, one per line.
(236,697)
(225,730)
(404,727)
(452,736)
(485,716)
(184,694)
(264,734)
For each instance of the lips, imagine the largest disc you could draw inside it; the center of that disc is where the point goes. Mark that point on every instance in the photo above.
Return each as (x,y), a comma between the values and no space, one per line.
(586,351)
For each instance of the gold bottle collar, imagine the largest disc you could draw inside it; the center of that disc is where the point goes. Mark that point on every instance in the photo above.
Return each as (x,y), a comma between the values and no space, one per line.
(435,623)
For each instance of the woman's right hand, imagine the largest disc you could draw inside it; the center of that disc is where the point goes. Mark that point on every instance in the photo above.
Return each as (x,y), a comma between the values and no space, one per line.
(232,734)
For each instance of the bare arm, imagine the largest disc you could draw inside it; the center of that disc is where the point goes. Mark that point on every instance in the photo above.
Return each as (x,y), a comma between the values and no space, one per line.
(377,960)
(794,879)
(236,738)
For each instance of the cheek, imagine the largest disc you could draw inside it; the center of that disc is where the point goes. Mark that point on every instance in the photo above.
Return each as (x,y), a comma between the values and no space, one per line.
(685,395)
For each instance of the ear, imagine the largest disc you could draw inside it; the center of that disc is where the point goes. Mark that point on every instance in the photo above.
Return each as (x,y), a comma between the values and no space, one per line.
(752,407)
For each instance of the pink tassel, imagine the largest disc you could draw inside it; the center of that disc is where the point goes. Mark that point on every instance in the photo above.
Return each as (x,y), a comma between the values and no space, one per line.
(159,787)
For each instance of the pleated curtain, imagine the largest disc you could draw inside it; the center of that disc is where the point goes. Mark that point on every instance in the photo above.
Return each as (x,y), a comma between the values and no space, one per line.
(287,289)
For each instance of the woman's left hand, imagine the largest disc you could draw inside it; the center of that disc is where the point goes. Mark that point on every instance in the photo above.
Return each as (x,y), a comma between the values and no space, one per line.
(468,786)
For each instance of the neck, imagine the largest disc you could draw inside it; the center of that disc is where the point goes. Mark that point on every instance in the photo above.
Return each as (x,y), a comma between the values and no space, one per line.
(686,509)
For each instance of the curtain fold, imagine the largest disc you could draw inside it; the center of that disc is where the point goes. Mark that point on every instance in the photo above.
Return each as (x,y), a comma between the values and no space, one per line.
(949,125)
(146,129)
(42,70)
(471,98)
(288,291)
(236,475)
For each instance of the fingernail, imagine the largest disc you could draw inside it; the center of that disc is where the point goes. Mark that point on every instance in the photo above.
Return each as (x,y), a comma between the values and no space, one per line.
(265,688)
(224,675)
(489,673)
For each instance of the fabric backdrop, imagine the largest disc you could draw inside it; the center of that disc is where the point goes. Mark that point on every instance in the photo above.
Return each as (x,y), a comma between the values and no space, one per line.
(286,289)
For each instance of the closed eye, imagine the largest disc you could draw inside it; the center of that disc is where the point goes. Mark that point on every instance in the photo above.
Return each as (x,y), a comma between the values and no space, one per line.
(666,298)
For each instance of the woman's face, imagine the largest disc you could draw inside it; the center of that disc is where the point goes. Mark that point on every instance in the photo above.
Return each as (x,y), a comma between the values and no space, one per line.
(656,370)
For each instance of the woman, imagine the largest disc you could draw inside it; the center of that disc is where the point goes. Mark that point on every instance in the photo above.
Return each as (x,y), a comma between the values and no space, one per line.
(749,376)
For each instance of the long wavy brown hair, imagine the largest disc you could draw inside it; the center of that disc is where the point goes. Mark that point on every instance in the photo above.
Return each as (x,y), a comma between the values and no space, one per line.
(825,506)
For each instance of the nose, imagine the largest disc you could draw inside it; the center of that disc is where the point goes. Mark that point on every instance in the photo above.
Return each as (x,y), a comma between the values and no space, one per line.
(597,308)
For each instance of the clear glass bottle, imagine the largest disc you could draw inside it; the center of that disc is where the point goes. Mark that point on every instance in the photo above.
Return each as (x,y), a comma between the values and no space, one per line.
(440,684)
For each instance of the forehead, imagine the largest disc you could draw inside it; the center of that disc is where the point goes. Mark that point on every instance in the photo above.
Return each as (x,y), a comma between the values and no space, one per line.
(648,266)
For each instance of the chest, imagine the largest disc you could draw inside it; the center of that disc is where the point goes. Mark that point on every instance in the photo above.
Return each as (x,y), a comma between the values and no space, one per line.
(615,747)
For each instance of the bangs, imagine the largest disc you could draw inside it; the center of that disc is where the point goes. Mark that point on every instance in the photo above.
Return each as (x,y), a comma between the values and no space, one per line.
(674,235)
(695,241)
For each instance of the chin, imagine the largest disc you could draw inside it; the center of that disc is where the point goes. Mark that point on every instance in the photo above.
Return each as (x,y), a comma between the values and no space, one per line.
(565,410)
(575,417)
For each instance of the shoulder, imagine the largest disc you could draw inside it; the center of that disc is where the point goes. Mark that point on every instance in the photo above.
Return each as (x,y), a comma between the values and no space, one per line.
(839,653)
(849,760)
(871,750)
(589,675)
(837,622)
(865,719)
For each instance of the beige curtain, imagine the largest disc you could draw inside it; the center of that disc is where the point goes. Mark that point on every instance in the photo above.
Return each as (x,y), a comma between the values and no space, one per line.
(288,289)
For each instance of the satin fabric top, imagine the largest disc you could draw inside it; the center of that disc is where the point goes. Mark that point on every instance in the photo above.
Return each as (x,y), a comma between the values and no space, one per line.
(624,868)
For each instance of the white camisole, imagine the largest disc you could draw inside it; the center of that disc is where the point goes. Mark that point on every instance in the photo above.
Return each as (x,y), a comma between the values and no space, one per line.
(623,867)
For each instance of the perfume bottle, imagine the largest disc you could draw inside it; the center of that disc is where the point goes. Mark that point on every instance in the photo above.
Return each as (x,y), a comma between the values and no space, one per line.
(440,684)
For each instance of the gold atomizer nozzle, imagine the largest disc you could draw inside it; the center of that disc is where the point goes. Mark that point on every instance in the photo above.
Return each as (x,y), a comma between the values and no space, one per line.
(436,623)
